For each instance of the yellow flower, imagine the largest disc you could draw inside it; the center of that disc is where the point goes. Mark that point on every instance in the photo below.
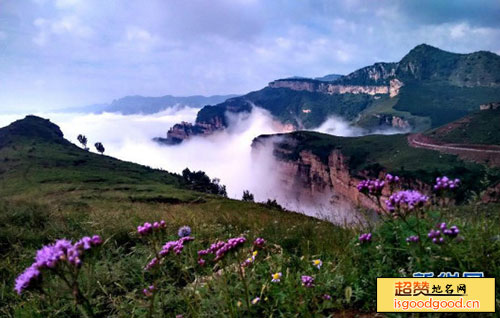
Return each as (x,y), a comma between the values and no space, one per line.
(317,263)
(276,277)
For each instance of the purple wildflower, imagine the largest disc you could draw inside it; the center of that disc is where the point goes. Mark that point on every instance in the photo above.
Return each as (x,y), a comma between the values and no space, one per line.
(307,281)
(444,183)
(148,292)
(412,239)
(220,248)
(27,279)
(148,228)
(391,179)
(259,242)
(51,255)
(371,186)
(365,238)
(155,261)
(184,231)
(327,297)
(201,262)
(406,199)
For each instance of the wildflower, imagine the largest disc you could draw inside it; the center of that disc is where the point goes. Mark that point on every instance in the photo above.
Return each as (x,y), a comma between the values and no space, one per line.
(184,231)
(365,238)
(255,300)
(259,242)
(444,183)
(175,246)
(52,255)
(148,228)
(391,179)
(201,262)
(307,281)
(318,263)
(412,239)
(220,248)
(452,231)
(276,277)
(155,261)
(148,292)
(406,199)
(327,297)
(254,255)
(371,186)
(27,279)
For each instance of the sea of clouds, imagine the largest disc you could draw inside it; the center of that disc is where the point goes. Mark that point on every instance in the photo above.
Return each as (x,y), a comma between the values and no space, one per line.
(226,155)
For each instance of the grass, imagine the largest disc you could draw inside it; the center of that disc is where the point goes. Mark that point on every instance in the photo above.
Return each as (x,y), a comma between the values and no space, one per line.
(45,196)
(480,127)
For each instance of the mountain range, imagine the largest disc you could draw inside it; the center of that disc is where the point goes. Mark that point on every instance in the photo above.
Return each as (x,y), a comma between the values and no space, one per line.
(427,88)
(137,104)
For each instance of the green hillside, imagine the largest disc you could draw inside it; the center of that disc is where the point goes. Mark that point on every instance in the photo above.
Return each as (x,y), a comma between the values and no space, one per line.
(51,189)
(480,127)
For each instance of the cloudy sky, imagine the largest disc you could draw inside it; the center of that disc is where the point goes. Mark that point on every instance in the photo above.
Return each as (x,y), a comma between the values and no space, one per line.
(63,53)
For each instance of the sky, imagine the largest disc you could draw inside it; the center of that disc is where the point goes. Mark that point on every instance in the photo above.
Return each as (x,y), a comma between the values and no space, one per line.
(63,53)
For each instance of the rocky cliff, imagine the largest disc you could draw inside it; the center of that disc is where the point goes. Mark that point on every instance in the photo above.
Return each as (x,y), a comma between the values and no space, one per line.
(309,179)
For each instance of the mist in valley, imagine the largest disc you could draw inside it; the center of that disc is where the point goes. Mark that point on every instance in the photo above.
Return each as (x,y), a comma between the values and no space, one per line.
(226,155)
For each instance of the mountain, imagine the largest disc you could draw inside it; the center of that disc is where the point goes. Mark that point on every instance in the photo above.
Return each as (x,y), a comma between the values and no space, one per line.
(427,88)
(149,105)
(329,77)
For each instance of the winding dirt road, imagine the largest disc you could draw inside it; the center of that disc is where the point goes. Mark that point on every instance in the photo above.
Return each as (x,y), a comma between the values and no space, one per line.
(489,154)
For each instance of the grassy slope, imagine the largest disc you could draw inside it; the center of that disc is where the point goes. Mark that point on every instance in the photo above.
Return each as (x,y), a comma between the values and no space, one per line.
(481,127)
(51,189)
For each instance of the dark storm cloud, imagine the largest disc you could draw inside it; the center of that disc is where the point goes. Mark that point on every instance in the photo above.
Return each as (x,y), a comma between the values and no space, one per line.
(60,53)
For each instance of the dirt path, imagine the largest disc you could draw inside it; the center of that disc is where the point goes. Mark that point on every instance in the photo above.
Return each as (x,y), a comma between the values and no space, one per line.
(489,154)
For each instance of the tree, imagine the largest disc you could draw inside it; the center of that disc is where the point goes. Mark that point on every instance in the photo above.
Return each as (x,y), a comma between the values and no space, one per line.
(99,147)
(247,196)
(83,140)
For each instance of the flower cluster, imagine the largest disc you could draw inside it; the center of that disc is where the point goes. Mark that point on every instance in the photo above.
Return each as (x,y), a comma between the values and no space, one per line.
(220,248)
(184,231)
(451,232)
(371,186)
(406,200)
(391,179)
(148,292)
(436,237)
(365,238)
(259,242)
(50,256)
(148,228)
(444,183)
(175,246)
(412,239)
(307,281)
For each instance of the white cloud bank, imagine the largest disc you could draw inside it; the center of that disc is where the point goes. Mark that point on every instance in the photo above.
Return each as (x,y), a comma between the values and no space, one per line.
(226,155)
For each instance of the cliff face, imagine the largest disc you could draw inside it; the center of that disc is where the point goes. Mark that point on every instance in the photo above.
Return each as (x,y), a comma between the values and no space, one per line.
(309,179)
(328,88)
(185,130)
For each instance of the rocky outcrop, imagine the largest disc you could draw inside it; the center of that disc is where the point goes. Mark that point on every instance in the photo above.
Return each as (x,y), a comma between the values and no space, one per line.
(392,121)
(183,131)
(329,88)
(489,106)
(394,86)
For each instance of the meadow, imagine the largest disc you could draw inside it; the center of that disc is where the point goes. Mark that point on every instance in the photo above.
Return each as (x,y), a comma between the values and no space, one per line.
(323,270)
